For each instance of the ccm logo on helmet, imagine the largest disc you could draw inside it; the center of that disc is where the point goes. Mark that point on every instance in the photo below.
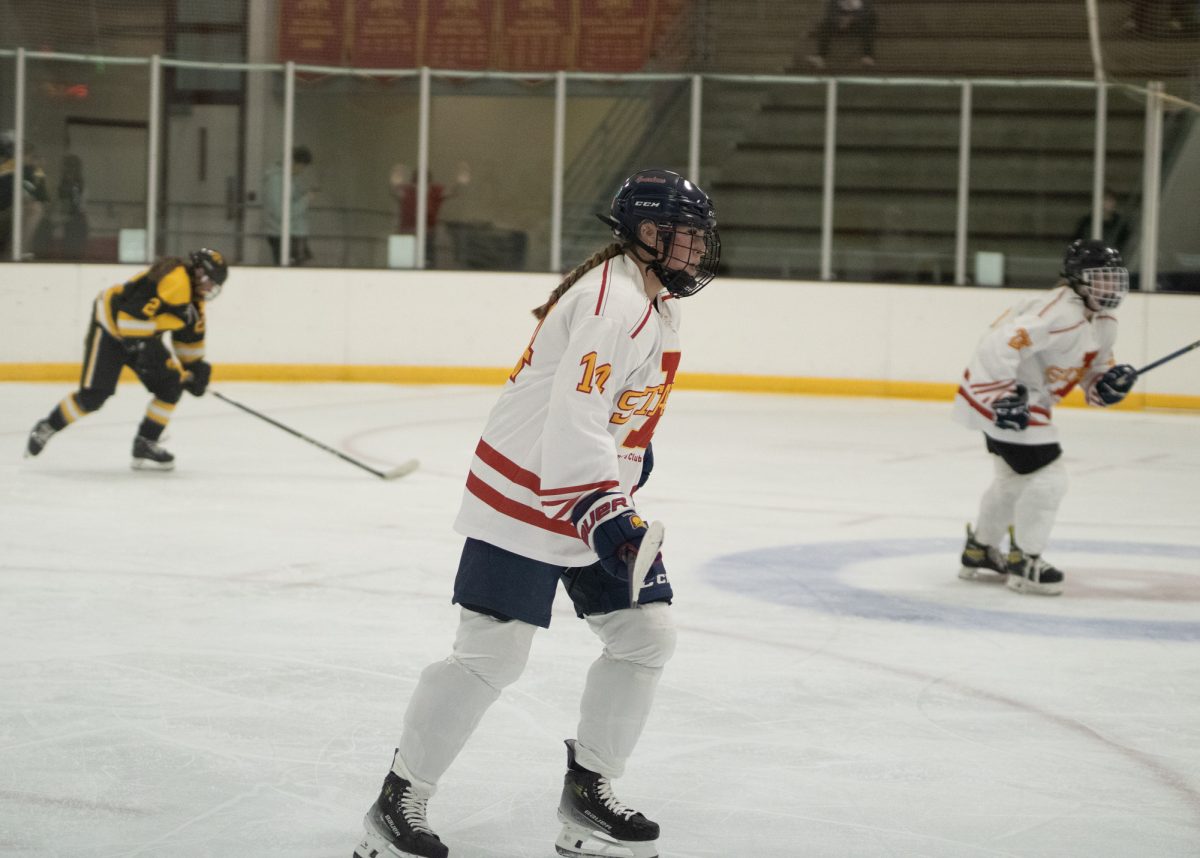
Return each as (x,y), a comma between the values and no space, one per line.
(646,204)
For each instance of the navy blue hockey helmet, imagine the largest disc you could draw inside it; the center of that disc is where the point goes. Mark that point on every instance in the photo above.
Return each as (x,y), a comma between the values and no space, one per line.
(1097,272)
(683,214)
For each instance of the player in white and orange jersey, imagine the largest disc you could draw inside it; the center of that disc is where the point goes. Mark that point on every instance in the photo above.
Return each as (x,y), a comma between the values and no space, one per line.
(1029,359)
(549,498)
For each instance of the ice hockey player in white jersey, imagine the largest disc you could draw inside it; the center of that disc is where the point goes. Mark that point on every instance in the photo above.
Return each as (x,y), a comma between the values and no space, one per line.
(1029,359)
(549,498)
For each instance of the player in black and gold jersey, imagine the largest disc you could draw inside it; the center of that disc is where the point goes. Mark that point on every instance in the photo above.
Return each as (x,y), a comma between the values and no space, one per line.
(126,330)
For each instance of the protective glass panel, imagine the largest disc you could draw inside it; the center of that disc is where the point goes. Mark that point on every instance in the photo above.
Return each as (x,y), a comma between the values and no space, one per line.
(487,208)
(763,150)
(85,153)
(896,183)
(1178,237)
(613,130)
(361,134)
(1032,162)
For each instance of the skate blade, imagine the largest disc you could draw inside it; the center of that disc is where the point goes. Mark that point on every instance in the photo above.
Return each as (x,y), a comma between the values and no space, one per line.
(1018,584)
(150,465)
(979,573)
(375,845)
(577,842)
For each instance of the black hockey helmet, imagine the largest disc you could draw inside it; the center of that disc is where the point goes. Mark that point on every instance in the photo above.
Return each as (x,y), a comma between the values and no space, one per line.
(1096,272)
(211,263)
(677,208)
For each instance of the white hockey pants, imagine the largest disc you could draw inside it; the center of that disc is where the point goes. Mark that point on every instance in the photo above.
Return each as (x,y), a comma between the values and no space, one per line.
(1028,502)
(452,695)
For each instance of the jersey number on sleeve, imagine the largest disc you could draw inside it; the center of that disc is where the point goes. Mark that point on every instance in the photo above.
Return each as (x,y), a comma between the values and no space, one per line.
(593,374)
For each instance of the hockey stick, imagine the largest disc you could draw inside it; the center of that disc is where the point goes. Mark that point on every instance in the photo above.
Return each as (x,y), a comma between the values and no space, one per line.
(647,552)
(1171,356)
(395,473)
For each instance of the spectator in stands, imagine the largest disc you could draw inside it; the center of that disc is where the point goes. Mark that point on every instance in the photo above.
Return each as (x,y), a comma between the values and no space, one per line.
(849,18)
(272,202)
(404,189)
(1115,229)
(1158,17)
(33,208)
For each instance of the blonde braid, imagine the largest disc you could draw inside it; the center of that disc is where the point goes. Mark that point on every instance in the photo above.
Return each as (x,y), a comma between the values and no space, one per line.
(597,258)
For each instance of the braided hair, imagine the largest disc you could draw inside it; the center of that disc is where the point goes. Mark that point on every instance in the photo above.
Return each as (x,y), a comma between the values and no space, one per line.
(597,258)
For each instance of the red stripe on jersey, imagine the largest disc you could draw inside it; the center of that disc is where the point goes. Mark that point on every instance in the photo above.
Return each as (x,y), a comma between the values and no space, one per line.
(1073,327)
(509,469)
(1042,311)
(506,467)
(516,509)
(642,323)
(603,288)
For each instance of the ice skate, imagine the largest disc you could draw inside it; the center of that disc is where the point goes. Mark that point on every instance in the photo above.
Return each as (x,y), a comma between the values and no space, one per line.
(395,826)
(979,559)
(38,438)
(150,456)
(595,823)
(1029,573)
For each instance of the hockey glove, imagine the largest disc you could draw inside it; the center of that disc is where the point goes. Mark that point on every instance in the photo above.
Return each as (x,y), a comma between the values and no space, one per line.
(152,362)
(647,466)
(607,523)
(196,381)
(1114,384)
(1012,409)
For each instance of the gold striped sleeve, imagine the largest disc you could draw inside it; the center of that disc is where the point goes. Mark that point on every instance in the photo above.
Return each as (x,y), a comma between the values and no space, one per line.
(130,326)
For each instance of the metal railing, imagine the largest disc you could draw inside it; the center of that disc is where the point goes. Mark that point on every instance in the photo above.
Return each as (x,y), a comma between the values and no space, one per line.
(579,182)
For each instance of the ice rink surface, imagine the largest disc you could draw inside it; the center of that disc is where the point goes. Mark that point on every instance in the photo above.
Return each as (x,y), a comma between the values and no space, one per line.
(215,661)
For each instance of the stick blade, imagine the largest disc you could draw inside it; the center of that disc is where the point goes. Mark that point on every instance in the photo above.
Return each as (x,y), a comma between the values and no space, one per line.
(651,543)
(402,470)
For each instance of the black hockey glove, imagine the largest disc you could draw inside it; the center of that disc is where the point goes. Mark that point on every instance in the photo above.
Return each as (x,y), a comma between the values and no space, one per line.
(151,361)
(647,466)
(1012,409)
(1114,384)
(196,381)
(607,523)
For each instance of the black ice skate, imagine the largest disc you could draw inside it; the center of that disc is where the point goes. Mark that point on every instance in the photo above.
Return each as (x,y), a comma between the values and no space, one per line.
(978,559)
(38,437)
(396,825)
(150,456)
(595,823)
(1029,573)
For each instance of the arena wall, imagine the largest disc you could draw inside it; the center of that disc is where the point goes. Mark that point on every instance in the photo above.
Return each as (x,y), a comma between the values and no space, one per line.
(470,327)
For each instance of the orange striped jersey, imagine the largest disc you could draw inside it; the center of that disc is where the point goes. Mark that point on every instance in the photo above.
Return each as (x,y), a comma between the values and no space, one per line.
(576,415)
(148,305)
(1050,344)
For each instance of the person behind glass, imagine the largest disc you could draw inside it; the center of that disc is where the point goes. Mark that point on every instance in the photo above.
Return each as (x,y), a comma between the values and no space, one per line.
(850,18)
(1115,229)
(1028,360)
(403,184)
(272,201)
(70,208)
(126,330)
(35,199)
(549,498)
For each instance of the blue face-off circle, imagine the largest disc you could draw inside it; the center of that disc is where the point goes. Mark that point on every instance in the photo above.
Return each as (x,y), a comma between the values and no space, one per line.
(810,576)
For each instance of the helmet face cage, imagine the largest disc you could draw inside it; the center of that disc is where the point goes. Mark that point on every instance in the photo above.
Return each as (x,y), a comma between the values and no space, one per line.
(1106,286)
(683,215)
(209,272)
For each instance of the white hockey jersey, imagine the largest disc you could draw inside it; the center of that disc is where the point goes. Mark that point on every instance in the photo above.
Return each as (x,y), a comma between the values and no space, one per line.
(1049,345)
(575,416)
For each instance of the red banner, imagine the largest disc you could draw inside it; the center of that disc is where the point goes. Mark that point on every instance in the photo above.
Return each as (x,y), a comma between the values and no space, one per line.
(312,31)
(386,34)
(612,34)
(537,35)
(458,33)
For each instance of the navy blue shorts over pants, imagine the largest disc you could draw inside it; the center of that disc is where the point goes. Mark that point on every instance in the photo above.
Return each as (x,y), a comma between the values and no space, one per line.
(508,586)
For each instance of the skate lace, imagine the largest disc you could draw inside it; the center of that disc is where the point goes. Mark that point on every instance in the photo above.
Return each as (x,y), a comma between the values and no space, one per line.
(610,801)
(412,806)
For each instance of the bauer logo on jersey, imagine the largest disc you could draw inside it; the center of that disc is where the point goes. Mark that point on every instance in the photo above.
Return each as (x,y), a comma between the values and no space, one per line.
(1020,339)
